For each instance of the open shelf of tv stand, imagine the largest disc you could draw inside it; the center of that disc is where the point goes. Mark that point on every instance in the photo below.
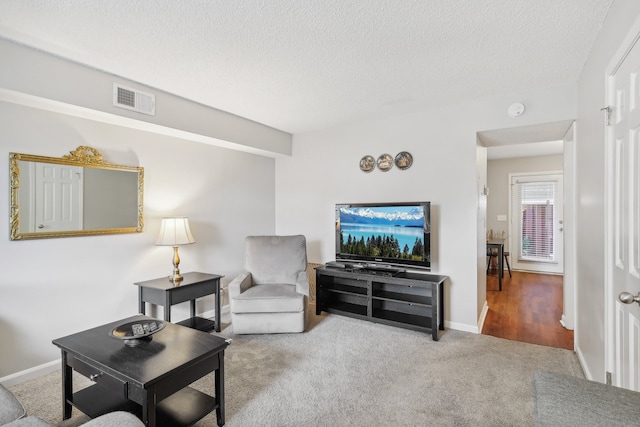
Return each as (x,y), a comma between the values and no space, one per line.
(411,300)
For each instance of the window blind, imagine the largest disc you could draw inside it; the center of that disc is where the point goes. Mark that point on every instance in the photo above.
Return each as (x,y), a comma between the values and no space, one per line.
(536,201)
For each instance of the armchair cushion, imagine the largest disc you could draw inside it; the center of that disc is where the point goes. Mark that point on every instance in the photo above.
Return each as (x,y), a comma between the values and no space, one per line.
(269,299)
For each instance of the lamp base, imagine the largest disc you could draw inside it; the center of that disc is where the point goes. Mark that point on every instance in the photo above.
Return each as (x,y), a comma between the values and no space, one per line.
(176,278)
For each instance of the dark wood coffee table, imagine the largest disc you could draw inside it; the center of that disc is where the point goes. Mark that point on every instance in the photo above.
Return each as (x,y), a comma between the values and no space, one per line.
(150,380)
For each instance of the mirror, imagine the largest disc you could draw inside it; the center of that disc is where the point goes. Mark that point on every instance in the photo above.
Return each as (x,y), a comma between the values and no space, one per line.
(79,194)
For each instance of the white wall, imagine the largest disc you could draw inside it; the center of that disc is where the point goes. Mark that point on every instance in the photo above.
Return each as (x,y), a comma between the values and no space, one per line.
(590,154)
(323,170)
(54,287)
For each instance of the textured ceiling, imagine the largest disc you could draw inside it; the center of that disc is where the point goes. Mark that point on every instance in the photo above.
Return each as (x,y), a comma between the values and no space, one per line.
(300,66)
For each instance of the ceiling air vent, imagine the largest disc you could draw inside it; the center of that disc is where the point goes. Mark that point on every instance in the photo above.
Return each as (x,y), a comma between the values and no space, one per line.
(134,100)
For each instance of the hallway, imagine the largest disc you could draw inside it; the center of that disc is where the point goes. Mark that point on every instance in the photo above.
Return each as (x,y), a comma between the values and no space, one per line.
(528,309)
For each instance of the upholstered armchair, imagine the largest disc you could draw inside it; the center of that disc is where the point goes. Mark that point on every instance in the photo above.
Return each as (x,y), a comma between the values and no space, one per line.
(271,295)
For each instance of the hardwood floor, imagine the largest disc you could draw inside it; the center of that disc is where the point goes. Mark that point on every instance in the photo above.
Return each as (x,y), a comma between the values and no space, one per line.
(528,309)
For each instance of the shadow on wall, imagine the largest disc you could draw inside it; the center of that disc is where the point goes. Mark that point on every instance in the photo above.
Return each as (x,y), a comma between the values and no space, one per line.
(10,341)
(314,249)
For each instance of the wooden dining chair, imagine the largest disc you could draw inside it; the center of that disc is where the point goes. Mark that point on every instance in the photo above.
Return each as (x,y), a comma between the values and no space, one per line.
(491,253)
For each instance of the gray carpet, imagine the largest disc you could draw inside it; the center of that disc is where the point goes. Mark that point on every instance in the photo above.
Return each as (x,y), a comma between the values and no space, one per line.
(347,372)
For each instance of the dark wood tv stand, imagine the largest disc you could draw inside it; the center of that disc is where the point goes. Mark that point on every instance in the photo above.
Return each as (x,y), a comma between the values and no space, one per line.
(412,300)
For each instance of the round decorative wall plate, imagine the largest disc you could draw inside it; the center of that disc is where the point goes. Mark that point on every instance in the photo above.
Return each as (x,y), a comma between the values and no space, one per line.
(367,163)
(385,162)
(404,160)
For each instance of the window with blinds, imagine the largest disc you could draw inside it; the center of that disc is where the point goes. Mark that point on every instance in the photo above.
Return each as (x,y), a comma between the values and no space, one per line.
(536,201)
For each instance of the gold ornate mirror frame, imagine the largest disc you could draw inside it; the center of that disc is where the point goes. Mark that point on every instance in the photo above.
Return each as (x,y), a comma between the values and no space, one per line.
(108,192)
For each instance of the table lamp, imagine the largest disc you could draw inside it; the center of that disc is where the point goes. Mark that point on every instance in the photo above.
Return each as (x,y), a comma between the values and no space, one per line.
(174,232)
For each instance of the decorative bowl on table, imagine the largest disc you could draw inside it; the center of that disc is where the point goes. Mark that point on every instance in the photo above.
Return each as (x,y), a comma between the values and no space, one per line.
(136,332)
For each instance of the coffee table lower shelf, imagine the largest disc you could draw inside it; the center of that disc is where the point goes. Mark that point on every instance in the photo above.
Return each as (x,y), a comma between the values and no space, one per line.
(183,408)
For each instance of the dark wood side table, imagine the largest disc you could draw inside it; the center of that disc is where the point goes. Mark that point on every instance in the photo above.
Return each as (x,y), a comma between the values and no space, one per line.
(150,380)
(194,285)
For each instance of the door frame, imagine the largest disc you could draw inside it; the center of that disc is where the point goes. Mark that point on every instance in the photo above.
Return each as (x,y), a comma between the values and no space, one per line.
(569,278)
(570,290)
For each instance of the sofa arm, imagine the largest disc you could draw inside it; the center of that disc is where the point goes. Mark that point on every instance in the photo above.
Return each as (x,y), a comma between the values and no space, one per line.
(563,400)
(30,421)
(115,419)
(10,407)
(302,283)
(240,284)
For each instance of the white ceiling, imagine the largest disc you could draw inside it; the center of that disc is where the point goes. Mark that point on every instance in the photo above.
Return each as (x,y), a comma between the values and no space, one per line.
(524,141)
(301,66)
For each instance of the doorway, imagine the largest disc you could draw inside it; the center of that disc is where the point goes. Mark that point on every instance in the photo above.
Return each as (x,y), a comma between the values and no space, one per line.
(523,153)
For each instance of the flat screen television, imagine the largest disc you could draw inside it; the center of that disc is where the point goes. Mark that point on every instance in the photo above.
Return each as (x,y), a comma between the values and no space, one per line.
(387,234)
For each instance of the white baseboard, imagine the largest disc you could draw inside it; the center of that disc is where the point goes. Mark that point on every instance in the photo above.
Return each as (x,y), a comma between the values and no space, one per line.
(483,316)
(461,327)
(225,309)
(31,373)
(583,365)
(563,322)
(470,328)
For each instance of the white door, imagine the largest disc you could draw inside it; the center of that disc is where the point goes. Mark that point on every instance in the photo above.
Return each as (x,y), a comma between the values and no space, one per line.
(536,242)
(58,198)
(623,219)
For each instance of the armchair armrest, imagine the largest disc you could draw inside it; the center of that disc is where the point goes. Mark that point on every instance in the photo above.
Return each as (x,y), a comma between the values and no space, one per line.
(302,283)
(115,419)
(240,284)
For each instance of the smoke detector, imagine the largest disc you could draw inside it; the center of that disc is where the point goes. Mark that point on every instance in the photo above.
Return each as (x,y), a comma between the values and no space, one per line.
(516,109)
(134,100)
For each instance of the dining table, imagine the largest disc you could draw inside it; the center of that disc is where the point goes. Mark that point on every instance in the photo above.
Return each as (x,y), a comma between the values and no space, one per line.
(497,243)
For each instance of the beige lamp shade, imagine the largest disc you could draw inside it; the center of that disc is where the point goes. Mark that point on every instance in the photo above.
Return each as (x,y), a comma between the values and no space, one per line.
(175,231)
